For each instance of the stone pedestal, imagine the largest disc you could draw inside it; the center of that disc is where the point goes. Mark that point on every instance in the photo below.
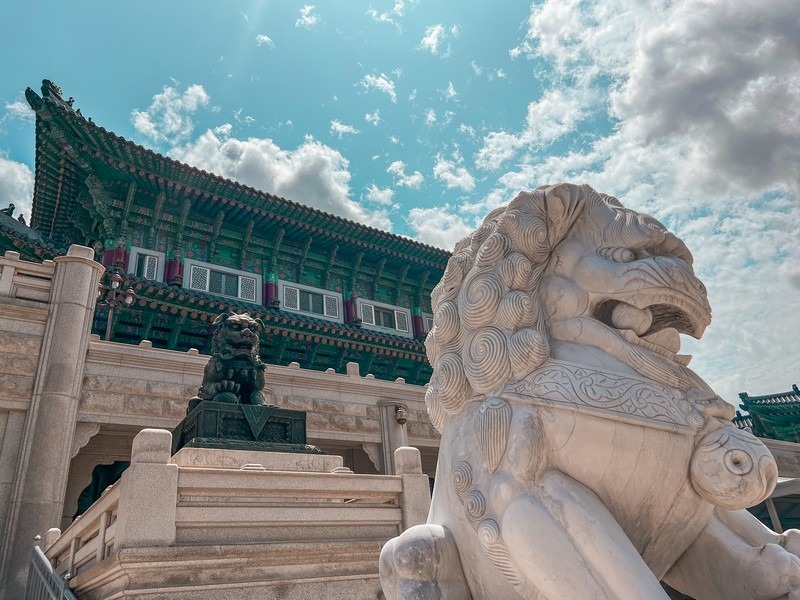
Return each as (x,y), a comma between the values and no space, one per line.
(242,427)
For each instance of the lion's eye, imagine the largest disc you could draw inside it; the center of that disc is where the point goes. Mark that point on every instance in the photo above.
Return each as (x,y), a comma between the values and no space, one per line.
(618,255)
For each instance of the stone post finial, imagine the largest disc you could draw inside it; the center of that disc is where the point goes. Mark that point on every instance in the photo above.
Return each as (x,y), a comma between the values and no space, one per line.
(407,461)
(81,251)
(152,446)
(50,537)
(353,369)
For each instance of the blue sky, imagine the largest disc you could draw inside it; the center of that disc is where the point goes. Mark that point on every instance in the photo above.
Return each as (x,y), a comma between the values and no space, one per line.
(413,117)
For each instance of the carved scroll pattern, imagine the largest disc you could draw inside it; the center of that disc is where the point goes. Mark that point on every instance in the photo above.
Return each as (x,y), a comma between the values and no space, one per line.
(615,393)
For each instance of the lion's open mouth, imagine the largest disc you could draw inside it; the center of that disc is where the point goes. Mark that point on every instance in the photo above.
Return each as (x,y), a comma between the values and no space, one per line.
(655,321)
(243,347)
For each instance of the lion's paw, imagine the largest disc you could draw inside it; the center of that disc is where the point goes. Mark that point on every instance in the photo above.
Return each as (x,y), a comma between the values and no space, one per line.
(423,562)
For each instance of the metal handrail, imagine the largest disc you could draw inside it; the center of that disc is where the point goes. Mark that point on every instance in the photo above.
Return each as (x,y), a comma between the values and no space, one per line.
(43,582)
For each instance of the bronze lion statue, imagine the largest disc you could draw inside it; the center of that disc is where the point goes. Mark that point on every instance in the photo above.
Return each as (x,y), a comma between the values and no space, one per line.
(235,372)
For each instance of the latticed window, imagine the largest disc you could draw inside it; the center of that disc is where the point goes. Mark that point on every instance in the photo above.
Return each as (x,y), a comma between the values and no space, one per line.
(224,283)
(385,317)
(315,303)
(146,266)
(147,263)
(198,278)
(247,288)
(428,323)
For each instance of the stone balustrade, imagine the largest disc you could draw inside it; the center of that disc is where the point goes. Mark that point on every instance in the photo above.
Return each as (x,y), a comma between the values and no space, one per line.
(25,280)
(298,520)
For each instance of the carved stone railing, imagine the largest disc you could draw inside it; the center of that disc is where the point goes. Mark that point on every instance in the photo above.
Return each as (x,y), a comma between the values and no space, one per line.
(88,540)
(25,280)
(205,501)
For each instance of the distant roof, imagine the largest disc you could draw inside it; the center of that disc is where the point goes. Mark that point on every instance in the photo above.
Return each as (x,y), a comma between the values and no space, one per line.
(26,240)
(69,146)
(790,397)
(775,416)
(743,421)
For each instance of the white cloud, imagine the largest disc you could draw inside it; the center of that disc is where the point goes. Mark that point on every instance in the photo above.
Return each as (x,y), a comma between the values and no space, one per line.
(554,115)
(379,195)
(430,117)
(223,130)
(381,83)
(169,116)
(313,173)
(18,111)
(435,35)
(438,226)
(264,40)
(308,18)
(398,169)
(498,147)
(243,120)
(703,133)
(16,185)
(391,16)
(466,129)
(449,93)
(491,74)
(374,117)
(453,174)
(339,129)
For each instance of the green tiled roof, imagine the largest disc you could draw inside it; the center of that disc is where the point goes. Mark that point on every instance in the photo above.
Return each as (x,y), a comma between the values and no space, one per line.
(70,146)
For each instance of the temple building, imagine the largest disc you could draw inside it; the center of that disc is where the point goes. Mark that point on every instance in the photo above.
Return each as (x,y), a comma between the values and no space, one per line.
(192,244)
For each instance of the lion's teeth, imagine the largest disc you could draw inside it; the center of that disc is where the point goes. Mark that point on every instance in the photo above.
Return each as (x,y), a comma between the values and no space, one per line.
(668,338)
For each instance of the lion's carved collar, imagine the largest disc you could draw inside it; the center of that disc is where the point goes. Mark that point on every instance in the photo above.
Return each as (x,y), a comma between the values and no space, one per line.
(608,395)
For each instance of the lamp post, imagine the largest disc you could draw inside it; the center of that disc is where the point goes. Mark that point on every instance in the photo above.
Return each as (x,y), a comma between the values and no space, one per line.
(110,295)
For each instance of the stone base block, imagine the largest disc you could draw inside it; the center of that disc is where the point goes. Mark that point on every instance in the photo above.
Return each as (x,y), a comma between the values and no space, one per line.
(213,458)
(223,444)
(222,425)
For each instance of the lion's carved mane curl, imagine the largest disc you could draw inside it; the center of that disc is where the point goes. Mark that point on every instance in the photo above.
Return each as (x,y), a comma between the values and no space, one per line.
(489,326)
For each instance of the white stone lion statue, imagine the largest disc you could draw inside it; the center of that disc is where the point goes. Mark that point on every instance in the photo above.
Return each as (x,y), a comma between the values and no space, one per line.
(580,458)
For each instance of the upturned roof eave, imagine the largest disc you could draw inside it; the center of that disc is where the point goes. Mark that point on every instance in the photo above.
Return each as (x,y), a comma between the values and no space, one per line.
(240,192)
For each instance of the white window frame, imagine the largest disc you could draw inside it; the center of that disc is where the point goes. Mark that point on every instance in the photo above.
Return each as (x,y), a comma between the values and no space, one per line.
(381,305)
(312,290)
(427,318)
(136,252)
(187,279)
